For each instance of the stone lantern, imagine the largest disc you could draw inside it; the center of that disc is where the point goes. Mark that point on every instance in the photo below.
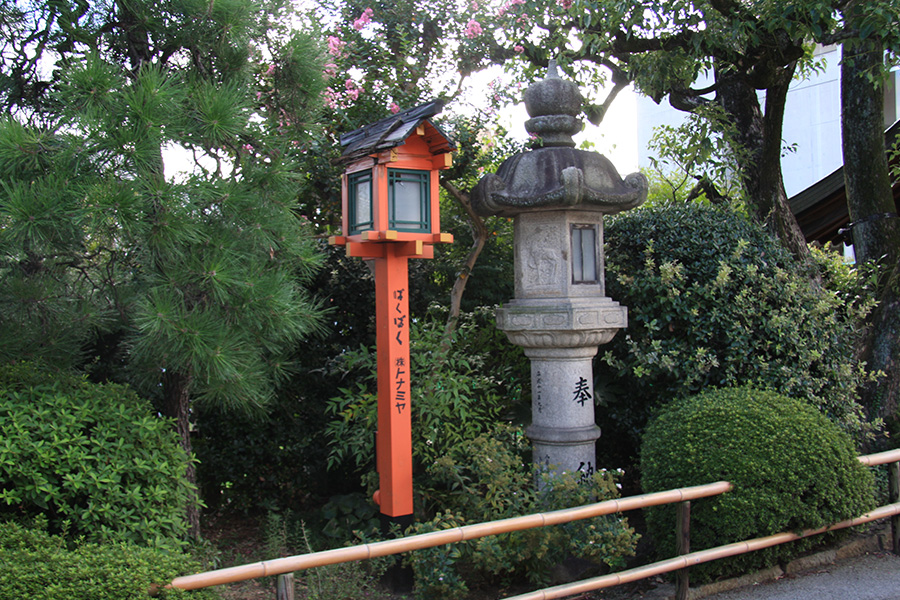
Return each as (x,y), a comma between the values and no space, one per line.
(558,196)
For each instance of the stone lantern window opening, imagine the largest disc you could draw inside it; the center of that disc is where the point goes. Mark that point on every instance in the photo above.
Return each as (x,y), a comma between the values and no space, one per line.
(585,254)
(409,200)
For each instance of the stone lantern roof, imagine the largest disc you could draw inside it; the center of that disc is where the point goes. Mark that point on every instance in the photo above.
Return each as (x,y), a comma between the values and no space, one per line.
(556,175)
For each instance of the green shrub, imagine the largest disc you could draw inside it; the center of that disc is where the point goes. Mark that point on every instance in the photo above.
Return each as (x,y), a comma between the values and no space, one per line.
(487,479)
(92,458)
(714,300)
(455,398)
(791,467)
(35,564)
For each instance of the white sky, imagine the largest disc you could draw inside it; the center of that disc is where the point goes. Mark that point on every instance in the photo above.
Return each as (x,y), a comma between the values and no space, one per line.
(615,138)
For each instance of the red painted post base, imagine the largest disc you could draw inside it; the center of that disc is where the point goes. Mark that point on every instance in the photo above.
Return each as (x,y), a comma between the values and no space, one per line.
(393,441)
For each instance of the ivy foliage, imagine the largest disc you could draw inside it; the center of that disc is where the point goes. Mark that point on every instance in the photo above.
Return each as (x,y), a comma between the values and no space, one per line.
(92,459)
(791,467)
(715,301)
(36,564)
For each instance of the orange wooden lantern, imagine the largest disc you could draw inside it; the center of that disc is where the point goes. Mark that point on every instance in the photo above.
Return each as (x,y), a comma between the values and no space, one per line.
(391,214)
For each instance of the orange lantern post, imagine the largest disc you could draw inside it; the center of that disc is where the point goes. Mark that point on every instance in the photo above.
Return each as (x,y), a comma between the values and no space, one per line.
(390,213)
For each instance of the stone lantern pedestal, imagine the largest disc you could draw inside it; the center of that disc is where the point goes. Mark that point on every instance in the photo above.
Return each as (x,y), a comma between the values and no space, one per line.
(558,197)
(560,323)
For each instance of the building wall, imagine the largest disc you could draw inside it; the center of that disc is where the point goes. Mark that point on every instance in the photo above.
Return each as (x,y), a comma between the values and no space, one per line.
(812,123)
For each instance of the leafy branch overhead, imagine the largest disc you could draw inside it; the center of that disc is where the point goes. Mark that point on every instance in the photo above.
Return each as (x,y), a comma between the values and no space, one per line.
(696,54)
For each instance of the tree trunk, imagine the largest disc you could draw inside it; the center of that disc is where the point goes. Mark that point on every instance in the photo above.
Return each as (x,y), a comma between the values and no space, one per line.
(870,202)
(869,195)
(760,136)
(479,237)
(176,389)
(881,352)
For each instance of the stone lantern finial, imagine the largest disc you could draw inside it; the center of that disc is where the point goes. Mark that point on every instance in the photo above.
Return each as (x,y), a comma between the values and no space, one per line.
(556,174)
(554,105)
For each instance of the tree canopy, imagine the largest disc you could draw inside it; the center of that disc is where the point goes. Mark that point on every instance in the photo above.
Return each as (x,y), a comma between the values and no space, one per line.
(663,48)
(148,193)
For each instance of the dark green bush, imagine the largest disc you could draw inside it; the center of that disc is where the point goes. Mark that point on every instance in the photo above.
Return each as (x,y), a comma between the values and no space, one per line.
(488,478)
(791,467)
(92,458)
(249,463)
(714,300)
(457,395)
(35,564)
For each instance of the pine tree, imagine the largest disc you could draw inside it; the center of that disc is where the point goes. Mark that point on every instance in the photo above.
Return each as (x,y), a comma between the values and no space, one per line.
(147,191)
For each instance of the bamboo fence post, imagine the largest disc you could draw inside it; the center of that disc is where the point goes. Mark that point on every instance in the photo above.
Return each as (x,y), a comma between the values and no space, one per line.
(284,589)
(682,546)
(894,496)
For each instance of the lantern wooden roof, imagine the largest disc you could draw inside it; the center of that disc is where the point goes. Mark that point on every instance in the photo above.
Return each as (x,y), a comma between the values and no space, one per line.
(393,131)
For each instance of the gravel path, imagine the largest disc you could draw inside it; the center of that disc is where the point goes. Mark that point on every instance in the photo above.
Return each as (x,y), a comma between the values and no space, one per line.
(874,576)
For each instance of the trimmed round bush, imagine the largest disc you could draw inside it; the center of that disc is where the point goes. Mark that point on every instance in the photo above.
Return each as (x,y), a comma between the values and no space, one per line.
(791,467)
(93,459)
(714,300)
(35,564)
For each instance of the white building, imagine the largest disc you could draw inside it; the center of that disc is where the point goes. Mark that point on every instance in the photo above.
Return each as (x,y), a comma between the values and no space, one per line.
(812,122)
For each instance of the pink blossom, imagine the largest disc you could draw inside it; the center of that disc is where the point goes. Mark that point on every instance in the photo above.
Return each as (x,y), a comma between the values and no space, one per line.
(335,46)
(259,96)
(518,49)
(364,19)
(331,98)
(248,147)
(270,70)
(509,4)
(394,107)
(473,29)
(473,6)
(566,4)
(330,69)
(352,88)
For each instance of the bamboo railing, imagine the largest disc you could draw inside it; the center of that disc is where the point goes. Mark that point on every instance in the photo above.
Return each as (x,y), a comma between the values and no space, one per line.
(445,536)
(695,558)
(684,560)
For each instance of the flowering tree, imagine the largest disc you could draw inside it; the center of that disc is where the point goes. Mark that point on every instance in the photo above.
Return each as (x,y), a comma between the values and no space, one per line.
(383,58)
(750,50)
(663,47)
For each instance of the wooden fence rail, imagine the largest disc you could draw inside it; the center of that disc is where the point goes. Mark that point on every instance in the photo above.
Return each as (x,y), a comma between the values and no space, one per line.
(285,567)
